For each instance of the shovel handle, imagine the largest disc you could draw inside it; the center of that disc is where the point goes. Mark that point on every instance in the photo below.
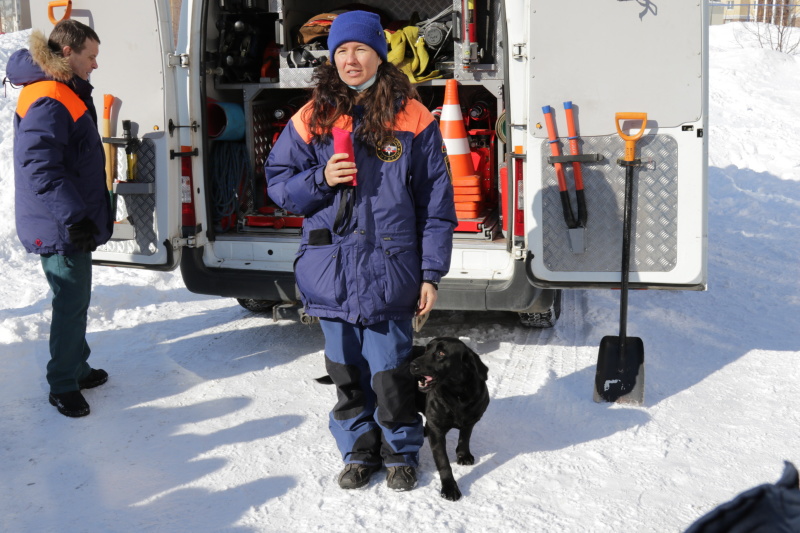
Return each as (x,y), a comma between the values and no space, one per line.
(630,140)
(59,3)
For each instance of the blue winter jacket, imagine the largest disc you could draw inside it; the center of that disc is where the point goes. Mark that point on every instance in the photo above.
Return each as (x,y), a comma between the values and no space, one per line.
(399,233)
(59,163)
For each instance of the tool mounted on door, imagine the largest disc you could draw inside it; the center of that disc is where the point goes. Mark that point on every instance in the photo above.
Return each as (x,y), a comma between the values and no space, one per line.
(620,361)
(131,149)
(109,149)
(131,144)
(575,225)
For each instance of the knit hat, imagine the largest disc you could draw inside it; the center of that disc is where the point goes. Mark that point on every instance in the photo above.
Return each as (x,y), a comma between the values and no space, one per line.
(360,26)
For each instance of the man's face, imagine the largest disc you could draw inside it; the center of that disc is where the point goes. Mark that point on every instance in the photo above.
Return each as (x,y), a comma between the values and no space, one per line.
(85,62)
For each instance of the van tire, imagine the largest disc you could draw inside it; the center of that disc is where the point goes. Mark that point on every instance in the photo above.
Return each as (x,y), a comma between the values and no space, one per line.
(543,320)
(257,306)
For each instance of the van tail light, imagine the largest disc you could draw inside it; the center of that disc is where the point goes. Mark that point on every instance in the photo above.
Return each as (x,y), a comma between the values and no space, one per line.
(519,200)
(188,219)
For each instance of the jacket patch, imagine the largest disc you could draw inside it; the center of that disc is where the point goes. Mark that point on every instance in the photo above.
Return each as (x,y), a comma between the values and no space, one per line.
(389,149)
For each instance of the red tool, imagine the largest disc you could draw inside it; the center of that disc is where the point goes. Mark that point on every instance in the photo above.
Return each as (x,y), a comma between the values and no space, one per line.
(577,173)
(566,206)
(469,37)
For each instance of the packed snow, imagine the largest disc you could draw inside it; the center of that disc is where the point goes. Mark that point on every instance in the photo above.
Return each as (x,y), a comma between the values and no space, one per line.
(211,419)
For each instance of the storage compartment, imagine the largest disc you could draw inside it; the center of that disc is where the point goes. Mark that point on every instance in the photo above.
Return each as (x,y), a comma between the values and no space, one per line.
(262,65)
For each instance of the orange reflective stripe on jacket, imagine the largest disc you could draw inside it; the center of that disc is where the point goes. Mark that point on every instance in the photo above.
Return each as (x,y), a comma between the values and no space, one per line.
(50,89)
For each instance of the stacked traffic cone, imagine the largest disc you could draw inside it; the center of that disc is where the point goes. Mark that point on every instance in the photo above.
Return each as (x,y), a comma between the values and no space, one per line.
(466,183)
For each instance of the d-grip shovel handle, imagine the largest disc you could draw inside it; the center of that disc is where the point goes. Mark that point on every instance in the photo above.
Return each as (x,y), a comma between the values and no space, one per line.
(59,3)
(630,140)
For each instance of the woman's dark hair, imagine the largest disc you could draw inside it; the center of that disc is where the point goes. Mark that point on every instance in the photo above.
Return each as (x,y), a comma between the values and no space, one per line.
(332,98)
(70,33)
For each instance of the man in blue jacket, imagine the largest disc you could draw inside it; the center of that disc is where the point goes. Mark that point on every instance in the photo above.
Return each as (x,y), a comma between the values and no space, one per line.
(63,210)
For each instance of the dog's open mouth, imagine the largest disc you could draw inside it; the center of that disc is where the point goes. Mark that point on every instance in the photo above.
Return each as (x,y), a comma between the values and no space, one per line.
(426,383)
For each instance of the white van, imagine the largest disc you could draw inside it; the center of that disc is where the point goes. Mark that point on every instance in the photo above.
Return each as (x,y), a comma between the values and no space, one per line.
(207,92)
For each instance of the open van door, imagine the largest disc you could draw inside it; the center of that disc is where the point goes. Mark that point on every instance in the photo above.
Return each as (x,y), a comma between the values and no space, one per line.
(606,58)
(138,67)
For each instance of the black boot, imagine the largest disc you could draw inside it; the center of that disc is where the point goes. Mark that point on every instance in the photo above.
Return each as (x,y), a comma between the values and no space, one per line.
(401,478)
(356,475)
(70,403)
(95,378)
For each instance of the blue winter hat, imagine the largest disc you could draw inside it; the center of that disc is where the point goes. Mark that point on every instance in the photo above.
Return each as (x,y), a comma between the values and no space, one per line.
(360,26)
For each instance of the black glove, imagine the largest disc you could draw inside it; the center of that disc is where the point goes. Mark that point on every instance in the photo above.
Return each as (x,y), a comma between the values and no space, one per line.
(81,234)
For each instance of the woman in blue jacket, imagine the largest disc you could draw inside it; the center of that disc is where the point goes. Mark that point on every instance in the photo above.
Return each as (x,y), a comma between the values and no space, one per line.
(377,239)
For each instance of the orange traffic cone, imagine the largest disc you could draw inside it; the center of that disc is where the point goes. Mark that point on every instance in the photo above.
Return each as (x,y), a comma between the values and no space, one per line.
(454,133)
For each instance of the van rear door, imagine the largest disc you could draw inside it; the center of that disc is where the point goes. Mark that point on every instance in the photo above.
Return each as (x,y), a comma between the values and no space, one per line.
(138,67)
(619,57)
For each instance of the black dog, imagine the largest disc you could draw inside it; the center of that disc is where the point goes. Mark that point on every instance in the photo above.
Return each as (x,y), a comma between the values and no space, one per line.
(453,380)
(452,394)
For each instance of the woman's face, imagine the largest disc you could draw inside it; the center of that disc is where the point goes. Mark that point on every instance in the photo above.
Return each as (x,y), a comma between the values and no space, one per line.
(356,62)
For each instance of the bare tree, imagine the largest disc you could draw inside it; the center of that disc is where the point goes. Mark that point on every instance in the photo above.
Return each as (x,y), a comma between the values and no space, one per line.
(774,26)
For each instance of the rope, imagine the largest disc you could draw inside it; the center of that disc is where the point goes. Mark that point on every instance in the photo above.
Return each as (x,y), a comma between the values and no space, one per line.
(229,162)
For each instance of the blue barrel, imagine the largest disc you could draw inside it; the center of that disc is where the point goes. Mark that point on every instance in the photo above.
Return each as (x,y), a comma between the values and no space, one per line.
(225,120)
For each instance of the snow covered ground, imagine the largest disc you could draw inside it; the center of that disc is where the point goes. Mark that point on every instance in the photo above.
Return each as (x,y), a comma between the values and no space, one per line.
(211,420)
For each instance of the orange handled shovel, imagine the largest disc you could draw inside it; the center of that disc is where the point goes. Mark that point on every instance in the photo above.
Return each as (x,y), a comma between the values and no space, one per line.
(110,151)
(620,361)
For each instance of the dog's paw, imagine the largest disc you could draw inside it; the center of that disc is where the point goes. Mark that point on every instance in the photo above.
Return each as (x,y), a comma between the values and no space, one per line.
(465,459)
(450,492)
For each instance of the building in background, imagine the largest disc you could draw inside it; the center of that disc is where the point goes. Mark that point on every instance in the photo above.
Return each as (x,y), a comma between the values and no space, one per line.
(15,15)
(781,12)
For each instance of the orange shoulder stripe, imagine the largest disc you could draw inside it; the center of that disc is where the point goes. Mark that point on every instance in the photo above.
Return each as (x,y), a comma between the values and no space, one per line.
(415,117)
(301,125)
(50,89)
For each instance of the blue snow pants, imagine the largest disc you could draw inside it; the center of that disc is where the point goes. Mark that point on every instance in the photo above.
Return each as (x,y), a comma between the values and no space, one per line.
(70,279)
(375,418)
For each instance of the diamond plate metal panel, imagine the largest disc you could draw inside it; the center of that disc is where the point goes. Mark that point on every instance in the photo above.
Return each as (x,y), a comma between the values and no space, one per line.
(295,77)
(140,209)
(655,208)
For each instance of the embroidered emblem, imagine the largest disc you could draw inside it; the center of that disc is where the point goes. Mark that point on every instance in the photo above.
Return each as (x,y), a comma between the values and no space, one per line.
(389,149)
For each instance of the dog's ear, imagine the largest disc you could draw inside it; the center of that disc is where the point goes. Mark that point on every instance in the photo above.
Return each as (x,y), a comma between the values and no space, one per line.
(483,370)
(471,359)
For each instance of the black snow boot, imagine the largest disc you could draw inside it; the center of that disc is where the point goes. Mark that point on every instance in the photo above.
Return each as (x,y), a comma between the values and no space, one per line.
(95,378)
(355,476)
(401,478)
(70,403)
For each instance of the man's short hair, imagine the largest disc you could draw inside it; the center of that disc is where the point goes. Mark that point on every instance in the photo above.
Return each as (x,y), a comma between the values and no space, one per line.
(70,33)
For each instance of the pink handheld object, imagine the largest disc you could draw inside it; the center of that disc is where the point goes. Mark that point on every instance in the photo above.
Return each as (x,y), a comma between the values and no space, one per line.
(343,144)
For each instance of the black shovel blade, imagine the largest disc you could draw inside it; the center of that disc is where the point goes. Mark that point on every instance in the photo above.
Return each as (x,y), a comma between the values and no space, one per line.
(620,378)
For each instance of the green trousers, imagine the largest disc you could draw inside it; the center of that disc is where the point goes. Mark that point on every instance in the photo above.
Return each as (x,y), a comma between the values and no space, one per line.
(70,279)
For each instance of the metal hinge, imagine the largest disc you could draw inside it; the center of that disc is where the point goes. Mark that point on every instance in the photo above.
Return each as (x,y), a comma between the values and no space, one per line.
(518,50)
(179,60)
(188,242)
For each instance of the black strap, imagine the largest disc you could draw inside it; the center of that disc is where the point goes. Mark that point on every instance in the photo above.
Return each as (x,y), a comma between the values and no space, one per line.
(345,212)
